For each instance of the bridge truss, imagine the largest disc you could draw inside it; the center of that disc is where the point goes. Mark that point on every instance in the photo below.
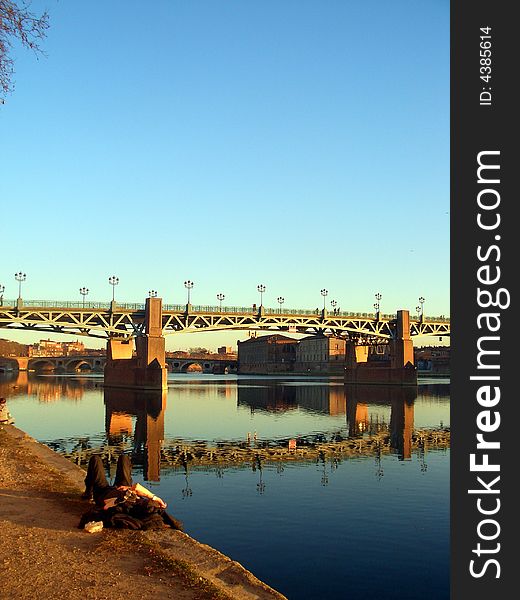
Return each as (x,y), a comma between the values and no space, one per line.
(105,320)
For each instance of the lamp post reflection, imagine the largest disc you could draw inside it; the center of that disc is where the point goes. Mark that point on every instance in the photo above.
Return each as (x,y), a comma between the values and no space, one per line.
(186,490)
(257,465)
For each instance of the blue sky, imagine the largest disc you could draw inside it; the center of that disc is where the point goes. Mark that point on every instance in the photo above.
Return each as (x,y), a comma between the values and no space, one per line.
(299,144)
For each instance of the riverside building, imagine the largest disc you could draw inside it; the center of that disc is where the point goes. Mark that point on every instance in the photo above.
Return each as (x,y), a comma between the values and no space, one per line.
(267,354)
(320,354)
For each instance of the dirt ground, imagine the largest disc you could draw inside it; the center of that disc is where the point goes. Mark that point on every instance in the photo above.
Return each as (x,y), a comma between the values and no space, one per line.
(44,555)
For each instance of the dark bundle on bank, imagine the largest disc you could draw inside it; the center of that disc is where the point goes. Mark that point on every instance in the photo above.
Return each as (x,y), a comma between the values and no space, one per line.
(129,511)
(125,504)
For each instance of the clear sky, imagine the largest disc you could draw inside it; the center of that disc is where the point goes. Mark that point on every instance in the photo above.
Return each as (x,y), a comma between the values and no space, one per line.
(302,144)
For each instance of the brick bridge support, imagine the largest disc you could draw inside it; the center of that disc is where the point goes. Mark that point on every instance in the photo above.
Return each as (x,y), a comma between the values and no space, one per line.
(146,369)
(399,369)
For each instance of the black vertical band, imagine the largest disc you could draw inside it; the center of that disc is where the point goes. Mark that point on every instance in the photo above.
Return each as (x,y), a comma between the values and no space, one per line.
(484,256)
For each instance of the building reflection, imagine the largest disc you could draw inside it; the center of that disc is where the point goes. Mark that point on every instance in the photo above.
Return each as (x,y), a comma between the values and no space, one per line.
(45,388)
(360,399)
(325,399)
(271,398)
(148,409)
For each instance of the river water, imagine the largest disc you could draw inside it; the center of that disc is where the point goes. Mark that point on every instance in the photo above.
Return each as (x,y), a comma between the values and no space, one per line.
(363,525)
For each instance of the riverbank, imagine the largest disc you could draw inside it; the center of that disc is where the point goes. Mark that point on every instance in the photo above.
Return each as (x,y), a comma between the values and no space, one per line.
(43,553)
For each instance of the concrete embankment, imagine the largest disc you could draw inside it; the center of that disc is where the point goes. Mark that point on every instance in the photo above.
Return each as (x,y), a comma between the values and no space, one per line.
(43,553)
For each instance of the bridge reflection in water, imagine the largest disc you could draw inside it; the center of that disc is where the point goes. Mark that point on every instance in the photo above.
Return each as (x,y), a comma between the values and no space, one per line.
(375,417)
(401,402)
(148,408)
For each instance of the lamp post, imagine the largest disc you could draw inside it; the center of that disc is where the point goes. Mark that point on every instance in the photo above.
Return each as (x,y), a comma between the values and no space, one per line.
(220,297)
(20,277)
(261,289)
(377,305)
(152,293)
(418,309)
(324,293)
(83,291)
(2,290)
(421,302)
(113,281)
(334,303)
(280,300)
(188,285)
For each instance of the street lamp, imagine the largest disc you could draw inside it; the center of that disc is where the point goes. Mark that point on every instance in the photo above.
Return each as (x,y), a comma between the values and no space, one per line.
(220,297)
(334,303)
(261,289)
(2,290)
(188,285)
(113,281)
(20,277)
(280,300)
(83,291)
(377,305)
(418,309)
(152,293)
(421,302)
(324,293)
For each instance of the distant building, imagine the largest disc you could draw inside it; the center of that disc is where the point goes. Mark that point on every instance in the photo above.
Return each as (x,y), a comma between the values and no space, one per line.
(433,360)
(267,354)
(321,354)
(225,350)
(51,348)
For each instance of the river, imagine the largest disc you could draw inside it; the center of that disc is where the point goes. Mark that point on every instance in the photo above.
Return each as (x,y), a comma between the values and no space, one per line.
(356,519)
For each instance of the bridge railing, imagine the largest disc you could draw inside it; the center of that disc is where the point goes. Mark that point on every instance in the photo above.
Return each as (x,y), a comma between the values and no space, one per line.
(181,308)
(72,304)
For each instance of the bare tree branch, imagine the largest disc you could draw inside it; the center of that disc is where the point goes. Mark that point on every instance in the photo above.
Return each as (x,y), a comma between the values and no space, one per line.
(17,22)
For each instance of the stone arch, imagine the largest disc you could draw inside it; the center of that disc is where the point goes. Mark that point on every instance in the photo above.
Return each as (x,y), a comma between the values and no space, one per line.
(192,366)
(42,365)
(79,364)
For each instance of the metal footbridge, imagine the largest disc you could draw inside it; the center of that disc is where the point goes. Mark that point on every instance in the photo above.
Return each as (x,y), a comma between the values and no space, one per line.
(126,321)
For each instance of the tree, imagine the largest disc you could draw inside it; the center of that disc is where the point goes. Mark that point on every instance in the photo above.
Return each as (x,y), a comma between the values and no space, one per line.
(17,22)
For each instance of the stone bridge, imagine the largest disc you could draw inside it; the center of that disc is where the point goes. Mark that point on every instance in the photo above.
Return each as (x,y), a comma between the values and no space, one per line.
(206,364)
(66,364)
(96,363)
